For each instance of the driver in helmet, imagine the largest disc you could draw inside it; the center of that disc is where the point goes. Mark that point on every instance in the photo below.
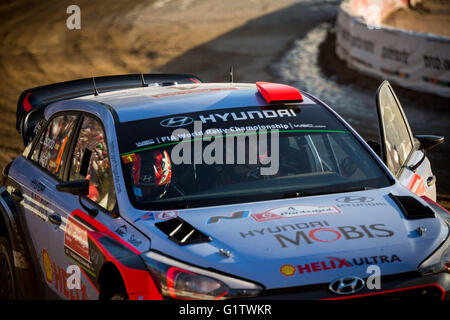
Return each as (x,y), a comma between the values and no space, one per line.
(152,173)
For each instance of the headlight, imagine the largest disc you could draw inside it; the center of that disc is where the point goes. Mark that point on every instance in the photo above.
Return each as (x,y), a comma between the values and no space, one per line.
(181,281)
(438,261)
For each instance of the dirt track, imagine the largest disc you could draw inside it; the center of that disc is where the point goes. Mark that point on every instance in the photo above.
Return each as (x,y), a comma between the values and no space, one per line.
(137,36)
(116,36)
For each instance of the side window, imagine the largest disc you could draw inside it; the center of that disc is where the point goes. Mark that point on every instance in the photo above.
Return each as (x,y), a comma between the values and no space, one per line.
(397,140)
(50,151)
(90,161)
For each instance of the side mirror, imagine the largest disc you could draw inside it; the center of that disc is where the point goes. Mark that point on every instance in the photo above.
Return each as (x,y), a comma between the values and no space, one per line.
(428,141)
(77,187)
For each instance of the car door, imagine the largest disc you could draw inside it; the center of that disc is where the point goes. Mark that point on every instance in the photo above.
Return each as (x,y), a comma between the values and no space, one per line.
(402,152)
(78,143)
(44,207)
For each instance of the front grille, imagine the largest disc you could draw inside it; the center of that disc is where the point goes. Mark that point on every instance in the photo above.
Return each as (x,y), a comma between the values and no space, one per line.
(429,292)
(321,291)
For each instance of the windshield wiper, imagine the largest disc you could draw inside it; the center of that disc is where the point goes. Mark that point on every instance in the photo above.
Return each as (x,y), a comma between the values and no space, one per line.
(357,188)
(302,193)
(295,194)
(341,190)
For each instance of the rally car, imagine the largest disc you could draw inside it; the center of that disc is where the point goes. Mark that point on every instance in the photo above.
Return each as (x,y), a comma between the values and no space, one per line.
(159,186)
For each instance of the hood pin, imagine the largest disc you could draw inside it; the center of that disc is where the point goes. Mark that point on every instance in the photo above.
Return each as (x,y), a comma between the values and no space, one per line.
(224,253)
(421,230)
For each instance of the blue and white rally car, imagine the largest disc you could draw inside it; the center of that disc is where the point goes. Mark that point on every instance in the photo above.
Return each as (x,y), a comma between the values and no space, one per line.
(160,186)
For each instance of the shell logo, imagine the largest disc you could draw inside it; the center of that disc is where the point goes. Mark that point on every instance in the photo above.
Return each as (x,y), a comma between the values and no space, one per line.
(47,266)
(287,270)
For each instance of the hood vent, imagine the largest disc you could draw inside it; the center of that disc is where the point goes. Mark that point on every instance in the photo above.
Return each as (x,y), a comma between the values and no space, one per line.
(412,208)
(181,232)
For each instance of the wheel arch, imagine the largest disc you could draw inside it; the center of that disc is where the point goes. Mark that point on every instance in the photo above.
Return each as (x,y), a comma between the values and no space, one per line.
(110,281)
(24,263)
(8,226)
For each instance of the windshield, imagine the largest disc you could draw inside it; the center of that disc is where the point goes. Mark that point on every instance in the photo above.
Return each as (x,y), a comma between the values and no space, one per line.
(230,156)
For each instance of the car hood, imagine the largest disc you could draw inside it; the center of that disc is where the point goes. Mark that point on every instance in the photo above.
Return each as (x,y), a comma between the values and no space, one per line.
(303,241)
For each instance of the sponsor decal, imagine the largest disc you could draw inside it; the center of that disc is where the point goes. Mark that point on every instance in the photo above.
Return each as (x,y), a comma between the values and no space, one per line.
(58,277)
(175,122)
(47,266)
(283,228)
(145,143)
(294,211)
(358,201)
(38,186)
(163,215)
(76,239)
(166,215)
(134,241)
(204,125)
(129,158)
(122,230)
(287,270)
(323,234)
(332,263)
(244,115)
(328,235)
(334,235)
(224,119)
(416,185)
(95,257)
(37,205)
(145,217)
(115,171)
(354,199)
(234,215)
(347,285)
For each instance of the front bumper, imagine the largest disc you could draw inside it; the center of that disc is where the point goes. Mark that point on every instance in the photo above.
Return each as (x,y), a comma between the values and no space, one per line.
(398,286)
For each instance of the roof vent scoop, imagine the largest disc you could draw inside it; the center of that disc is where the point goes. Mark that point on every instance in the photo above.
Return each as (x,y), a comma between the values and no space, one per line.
(276,92)
(181,232)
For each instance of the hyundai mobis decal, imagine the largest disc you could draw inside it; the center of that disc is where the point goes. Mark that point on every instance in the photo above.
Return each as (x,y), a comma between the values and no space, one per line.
(158,132)
(301,234)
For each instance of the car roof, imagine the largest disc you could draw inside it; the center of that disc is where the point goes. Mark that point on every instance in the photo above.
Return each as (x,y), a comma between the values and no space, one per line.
(156,101)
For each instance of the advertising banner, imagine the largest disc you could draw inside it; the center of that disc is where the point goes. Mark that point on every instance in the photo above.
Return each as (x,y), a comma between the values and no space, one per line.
(410,59)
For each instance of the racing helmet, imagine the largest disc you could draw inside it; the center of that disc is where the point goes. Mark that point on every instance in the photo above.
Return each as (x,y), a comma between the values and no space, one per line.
(152,173)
